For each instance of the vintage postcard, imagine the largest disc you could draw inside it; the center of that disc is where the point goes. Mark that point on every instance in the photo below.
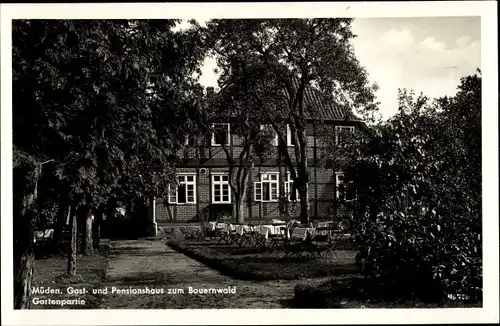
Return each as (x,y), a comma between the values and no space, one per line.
(249,163)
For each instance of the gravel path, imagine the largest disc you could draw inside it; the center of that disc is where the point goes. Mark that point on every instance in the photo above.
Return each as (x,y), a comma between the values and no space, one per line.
(137,264)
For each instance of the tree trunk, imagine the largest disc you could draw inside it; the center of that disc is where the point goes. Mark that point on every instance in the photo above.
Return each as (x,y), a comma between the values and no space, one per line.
(240,218)
(25,194)
(72,246)
(304,204)
(96,231)
(24,260)
(23,267)
(87,244)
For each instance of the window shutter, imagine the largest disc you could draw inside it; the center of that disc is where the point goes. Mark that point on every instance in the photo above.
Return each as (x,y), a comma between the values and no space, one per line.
(257,188)
(294,195)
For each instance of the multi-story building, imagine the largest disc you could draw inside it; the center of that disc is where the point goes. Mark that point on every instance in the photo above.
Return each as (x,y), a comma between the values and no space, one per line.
(203,191)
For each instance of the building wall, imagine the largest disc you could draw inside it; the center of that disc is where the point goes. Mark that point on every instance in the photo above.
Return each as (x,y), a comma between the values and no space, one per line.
(213,159)
(321,194)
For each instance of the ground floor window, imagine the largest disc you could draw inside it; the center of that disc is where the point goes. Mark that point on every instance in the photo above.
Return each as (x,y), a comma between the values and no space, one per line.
(185,190)
(290,190)
(221,192)
(266,190)
(345,190)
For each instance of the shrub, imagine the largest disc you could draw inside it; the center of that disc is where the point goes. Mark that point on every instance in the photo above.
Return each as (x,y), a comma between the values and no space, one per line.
(418,181)
(424,256)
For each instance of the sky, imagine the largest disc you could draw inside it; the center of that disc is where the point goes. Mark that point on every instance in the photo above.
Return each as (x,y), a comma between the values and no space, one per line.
(428,55)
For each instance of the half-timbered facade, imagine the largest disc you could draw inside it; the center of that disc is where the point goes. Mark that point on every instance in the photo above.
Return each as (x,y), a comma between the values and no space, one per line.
(203,193)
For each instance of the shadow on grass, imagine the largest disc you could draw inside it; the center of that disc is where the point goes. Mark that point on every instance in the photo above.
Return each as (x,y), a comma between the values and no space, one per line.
(262,266)
(90,272)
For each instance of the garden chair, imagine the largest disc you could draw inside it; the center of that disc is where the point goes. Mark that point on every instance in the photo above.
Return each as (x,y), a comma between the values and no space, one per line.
(247,239)
(42,240)
(321,243)
(261,239)
(294,245)
(221,233)
(277,240)
(232,236)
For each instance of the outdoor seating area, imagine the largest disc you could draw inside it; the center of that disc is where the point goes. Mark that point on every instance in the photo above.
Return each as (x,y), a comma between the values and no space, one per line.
(293,240)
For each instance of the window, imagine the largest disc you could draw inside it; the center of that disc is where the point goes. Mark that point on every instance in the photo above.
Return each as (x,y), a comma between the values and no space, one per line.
(189,140)
(339,178)
(185,190)
(269,128)
(342,131)
(290,139)
(267,189)
(345,190)
(220,135)
(221,192)
(290,189)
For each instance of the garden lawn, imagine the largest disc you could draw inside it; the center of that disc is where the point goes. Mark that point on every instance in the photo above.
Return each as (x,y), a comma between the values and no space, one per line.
(360,292)
(253,264)
(90,272)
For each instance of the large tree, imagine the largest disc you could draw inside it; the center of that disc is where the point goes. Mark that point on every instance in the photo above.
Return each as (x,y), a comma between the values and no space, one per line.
(419,195)
(98,99)
(275,61)
(251,140)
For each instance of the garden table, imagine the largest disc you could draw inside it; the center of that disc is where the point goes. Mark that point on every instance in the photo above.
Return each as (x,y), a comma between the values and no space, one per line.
(43,239)
(278,237)
(260,235)
(302,232)
(300,242)
(42,236)
(326,224)
(212,226)
(247,235)
(221,233)
(241,228)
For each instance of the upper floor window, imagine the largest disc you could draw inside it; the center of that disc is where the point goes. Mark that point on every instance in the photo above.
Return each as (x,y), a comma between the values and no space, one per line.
(269,129)
(266,190)
(185,190)
(220,134)
(290,190)
(343,132)
(221,192)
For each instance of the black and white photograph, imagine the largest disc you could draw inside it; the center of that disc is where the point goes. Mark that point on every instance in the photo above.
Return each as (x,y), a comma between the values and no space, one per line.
(305,163)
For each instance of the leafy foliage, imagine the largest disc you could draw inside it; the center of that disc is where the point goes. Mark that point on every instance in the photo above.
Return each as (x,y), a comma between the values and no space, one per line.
(419,196)
(99,97)
(272,62)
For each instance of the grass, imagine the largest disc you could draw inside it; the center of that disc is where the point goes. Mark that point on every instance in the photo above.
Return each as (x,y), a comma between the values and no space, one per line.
(258,265)
(356,292)
(90,272)
(345,287)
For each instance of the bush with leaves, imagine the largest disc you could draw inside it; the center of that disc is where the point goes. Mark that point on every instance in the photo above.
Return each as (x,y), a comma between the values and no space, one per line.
(418,182)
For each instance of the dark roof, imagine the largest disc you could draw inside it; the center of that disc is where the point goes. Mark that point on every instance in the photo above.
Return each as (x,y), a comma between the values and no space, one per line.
(320,107)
